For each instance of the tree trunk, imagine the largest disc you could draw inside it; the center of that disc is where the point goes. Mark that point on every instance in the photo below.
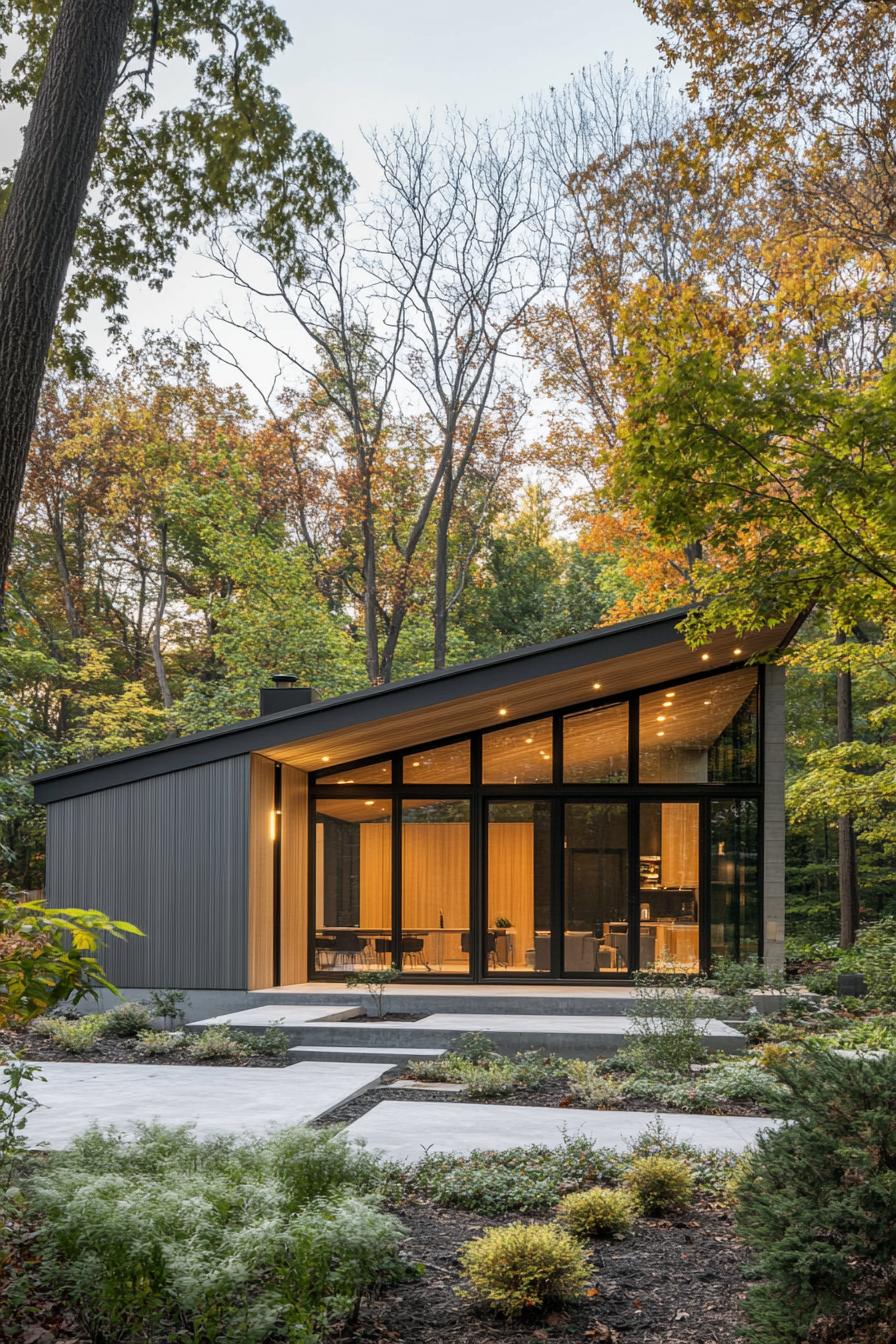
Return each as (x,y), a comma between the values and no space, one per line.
(440,575)
(38,229)
(158,618)
(846,836)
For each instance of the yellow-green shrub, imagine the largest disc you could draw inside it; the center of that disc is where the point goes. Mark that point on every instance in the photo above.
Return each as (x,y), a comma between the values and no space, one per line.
(525,1267)
(597,1212)
(660,1184)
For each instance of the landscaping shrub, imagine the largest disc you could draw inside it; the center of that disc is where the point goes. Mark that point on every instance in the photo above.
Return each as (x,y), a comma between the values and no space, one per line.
(475,1047)
(168,1004)
(821,982)
(376,982)
(273,1041)
(217,1043)
(874,955)
(125,1021)
(75,1035)
(525,1267)
(490,1075)
(591,1086)
(818,1209)
(660,1184)
(666,1011)
(517,1180)
(168,1237)
(159,1042)
(597,1212)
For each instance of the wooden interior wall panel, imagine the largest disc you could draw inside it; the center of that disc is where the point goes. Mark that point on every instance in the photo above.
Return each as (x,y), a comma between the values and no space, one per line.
(294,904)
(261,874)
(511,880)
(436,875)
(376,877)
(681,844)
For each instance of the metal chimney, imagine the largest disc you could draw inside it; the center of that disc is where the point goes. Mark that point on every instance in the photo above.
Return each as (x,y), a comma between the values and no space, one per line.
(285,694)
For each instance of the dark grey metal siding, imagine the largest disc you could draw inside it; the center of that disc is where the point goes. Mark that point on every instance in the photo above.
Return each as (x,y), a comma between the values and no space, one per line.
(170,854)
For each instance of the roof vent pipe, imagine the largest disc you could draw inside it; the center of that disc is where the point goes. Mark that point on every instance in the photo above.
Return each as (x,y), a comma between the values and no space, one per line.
(285,694)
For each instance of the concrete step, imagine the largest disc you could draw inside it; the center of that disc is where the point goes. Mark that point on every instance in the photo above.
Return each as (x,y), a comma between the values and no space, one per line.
(480,999)
(364,1054)
(572,1036)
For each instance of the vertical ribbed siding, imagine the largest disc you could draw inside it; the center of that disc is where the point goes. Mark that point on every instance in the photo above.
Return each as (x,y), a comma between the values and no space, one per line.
(774,825)
(169,854)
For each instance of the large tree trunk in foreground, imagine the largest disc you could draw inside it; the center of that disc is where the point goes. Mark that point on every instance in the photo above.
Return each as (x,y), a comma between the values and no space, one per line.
(846,836)
(37,233)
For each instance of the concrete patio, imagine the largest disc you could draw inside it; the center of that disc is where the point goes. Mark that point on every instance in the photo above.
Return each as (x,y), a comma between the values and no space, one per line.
(405,1131)
(216,1100)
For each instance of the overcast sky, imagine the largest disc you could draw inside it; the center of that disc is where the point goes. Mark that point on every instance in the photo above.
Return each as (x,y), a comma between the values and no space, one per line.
(357,63)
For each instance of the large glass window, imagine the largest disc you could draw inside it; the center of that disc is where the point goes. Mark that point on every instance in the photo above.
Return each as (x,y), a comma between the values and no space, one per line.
(595,746)
(595,887)
(353,889)
(519,755)
(734,877)
(704,732)
(669,887)
(438,765)
(518,921)
(435,886)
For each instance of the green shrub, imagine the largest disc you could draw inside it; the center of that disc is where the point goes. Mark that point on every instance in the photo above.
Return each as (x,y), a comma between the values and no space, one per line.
(169,1237)
(43,1026)
(733,977)
(818,1209)
(125,1021)
(597,1212)
(660,1184)
(273,1041)
(168,1004)
(592,1086)
(159,1042)
(486,1075)
(475,1047)
(75,1035)
(874,955)
(217,1043)
(525,1267)
(376,982)
(821,982)
(665,1013)
(517,1180)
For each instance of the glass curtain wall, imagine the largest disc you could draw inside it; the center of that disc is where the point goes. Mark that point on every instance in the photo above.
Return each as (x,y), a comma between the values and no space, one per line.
(526,847)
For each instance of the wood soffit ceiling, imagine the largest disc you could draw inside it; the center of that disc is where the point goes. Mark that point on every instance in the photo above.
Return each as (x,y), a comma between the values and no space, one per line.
(520,697)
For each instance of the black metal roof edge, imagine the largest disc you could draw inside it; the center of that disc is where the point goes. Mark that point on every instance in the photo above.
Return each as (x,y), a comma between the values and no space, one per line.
(246,735)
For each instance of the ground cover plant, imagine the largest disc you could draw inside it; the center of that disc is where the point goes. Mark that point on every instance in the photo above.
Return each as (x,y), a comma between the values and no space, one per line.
(171,1236)
(125,1034)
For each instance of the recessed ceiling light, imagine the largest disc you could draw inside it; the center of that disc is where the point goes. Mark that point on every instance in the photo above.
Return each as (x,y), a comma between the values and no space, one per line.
(670,694)
(707,702)
(661,718)
(661,733)
(530,739)
(667,704)
(368,802)
(705,657)
(596,685)
(415,765)
(503,713)
(325,758)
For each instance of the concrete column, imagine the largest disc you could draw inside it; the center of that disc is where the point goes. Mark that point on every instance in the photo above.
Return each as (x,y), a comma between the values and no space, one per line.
(773,819)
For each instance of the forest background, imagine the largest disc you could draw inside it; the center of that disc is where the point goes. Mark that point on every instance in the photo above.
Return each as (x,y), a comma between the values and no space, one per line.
(625,347)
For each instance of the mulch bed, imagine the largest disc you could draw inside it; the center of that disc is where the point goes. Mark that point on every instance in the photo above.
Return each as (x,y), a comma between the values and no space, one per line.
(671,1281)
(114,1050)
(554,1093)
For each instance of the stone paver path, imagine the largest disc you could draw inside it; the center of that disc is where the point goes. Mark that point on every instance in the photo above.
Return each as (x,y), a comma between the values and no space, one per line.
(404,1130)
(215,1100)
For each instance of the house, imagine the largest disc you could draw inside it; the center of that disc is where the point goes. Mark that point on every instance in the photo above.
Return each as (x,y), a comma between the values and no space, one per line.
(566,813)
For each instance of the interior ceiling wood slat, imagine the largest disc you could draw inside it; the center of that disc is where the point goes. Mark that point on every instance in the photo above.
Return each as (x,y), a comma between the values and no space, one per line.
(670,662)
